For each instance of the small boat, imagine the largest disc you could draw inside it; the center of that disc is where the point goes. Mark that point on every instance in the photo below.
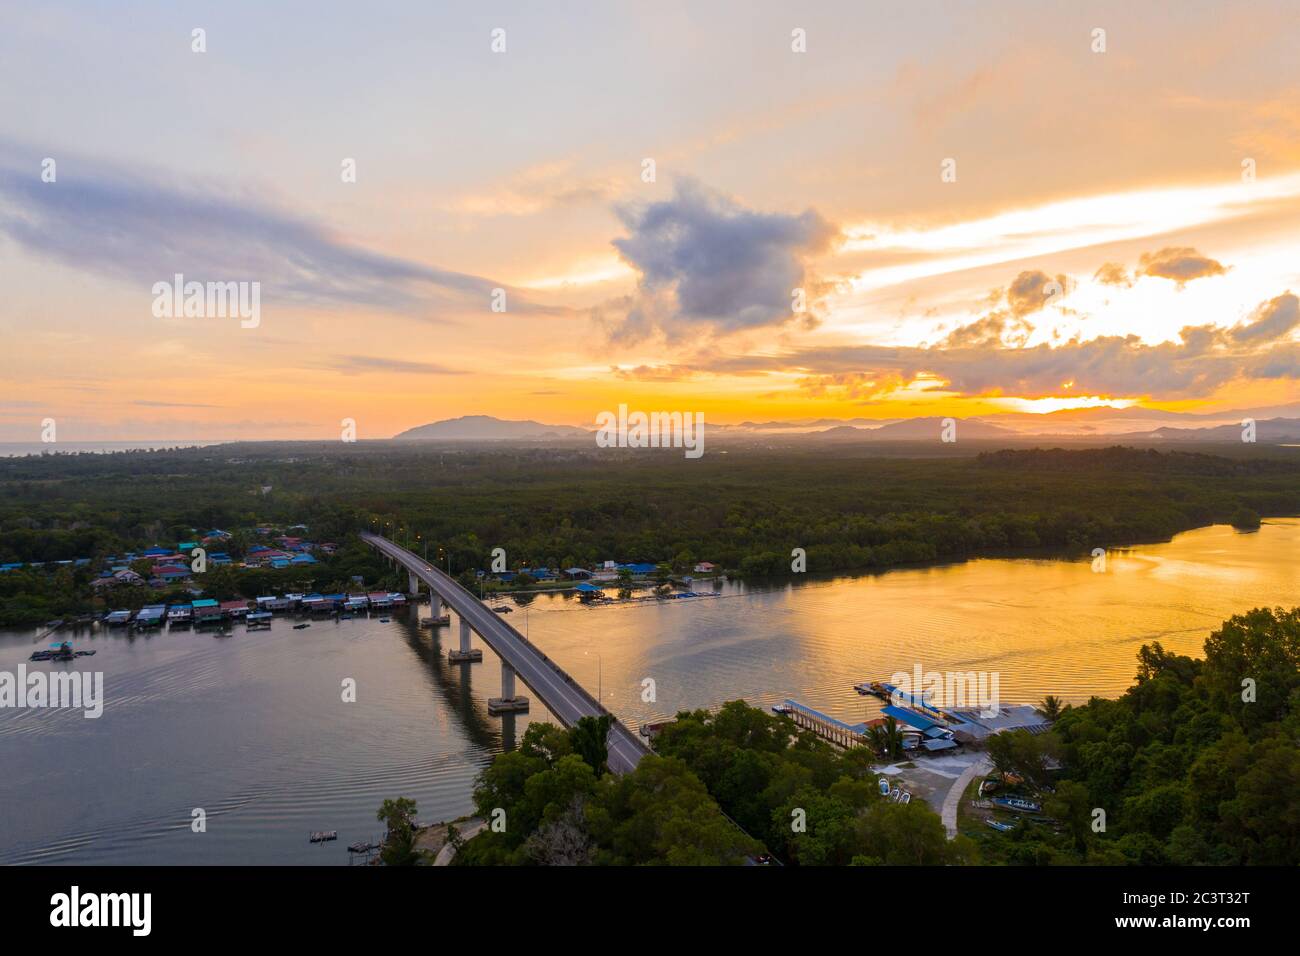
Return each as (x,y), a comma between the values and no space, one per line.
(895,795)
(906,798)
(1000,826)
(884,786)
(57,652)
(502,610)
(782,709)
(384,620)
(1018,804)
(299,627)
(323,836)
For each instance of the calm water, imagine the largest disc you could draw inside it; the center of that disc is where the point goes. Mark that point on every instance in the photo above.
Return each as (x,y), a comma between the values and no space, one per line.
(252,727)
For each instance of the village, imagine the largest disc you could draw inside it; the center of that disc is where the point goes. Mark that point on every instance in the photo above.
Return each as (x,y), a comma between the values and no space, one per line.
(174,584)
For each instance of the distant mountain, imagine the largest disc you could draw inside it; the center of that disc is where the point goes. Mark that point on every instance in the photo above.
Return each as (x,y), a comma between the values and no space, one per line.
(811,424)
(487,428)
(1268,430)
(930,429)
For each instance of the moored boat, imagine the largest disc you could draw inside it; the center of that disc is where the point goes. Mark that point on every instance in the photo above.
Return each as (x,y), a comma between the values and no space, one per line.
(1017,803)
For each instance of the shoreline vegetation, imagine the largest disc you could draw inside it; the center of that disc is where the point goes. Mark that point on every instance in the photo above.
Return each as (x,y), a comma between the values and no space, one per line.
(1187,767)
(744,511)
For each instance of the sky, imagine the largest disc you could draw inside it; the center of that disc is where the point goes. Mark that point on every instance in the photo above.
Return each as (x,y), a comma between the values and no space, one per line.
(761,211)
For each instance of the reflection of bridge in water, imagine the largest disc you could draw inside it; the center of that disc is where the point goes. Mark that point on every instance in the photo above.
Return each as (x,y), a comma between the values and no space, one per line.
(452,683)
(561,694)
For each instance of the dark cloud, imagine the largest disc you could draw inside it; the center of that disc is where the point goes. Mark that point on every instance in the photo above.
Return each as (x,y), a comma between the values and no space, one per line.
(1182,264)
(1203,360)
(1112,273)
(653,373)
(125,226)
(1269,321)
(706,262)
(1032,290)
(1029,292)
(997,328)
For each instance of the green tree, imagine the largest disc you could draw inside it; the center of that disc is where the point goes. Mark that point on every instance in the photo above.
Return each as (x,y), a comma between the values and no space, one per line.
(399,843)
(589,740)
(1050,707)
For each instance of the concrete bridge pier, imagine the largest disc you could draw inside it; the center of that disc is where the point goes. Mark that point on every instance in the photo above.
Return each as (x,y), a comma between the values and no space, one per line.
(466,654)
(509,702)
(413,589)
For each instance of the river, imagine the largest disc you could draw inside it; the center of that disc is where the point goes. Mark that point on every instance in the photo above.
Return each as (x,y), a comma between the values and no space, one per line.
(253,729)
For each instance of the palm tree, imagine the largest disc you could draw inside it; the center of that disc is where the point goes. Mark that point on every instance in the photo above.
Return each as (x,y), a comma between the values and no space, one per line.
(886,739)
(1050,707)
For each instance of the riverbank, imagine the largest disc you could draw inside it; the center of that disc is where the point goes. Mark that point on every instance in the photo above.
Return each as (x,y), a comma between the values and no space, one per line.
(433,844)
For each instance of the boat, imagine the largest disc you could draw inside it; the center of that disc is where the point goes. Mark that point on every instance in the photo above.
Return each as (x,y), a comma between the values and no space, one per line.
(323,836)
(895,795)
(906,798)
(59,652)
(884,786)
(502,610)
(384,620)
(1018,804)
(1000,826)
(781,708)
(299,627)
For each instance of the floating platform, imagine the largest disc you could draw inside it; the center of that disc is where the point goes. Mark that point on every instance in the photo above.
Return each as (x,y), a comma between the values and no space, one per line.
(59,652)
(507,705)
(473,656)
(323,836)
(443,621)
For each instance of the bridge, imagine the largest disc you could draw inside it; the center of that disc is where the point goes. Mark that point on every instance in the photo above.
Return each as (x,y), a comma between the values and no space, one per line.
(561,694)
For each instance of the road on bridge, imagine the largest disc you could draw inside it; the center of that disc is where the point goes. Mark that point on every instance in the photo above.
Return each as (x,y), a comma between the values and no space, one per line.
(561,694)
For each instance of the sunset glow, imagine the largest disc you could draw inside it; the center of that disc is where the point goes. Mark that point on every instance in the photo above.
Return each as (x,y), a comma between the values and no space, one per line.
(1118,229)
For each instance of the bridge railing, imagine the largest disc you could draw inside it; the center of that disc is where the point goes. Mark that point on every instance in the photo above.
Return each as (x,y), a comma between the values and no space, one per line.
(447,582)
